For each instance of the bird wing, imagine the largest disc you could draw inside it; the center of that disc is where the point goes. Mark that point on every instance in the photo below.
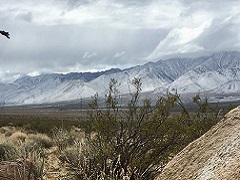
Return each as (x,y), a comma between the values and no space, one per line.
(5,33)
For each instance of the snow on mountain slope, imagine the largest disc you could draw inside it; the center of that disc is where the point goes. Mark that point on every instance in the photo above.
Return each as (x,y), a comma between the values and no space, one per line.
(213,72)
(231,87)
(153,75)
(216,74)
(195,81)
(48,88)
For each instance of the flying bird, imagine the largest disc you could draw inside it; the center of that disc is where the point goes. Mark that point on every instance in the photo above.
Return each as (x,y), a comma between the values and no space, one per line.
(5,33)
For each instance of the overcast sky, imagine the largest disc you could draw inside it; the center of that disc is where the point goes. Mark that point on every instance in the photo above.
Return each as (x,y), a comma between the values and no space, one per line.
(88,35)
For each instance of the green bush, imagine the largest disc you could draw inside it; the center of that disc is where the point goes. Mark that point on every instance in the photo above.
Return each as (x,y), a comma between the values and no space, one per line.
(137,140)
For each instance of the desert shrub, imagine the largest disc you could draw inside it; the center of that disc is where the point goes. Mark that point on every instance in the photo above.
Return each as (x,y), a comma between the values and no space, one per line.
(32,152)
(201,120)
(8,130)
(19,147)
(18,136)
(3,130)
(64,138)
(135,141)
(82,156)
(35,124)
(41,139)
(8,152)
(206,115)
(35,154)
(8,133)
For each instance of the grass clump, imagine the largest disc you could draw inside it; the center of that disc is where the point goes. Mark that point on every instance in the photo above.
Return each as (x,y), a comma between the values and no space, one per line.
(8,152)
(18,136)
(24,147)
(63,138)
(42,140)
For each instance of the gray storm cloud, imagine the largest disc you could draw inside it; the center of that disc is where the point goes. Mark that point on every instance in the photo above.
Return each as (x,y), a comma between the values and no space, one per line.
(82,35)
(28,16)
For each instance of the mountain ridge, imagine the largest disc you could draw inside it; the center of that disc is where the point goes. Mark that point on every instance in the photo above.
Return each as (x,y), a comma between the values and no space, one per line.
(204,75)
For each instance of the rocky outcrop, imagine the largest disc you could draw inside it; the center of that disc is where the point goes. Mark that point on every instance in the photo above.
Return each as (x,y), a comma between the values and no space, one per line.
(215,155)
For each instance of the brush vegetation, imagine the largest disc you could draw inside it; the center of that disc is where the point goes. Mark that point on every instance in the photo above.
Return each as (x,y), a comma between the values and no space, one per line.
(117,141)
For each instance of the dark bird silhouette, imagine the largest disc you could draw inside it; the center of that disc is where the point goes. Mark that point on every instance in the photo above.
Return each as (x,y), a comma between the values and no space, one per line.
(5,33)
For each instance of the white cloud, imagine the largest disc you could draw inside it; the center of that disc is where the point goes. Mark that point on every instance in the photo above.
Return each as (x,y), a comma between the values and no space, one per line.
(119,54)
(120,14)
(61,35)
(206,26)
(8,76)
(88,55)
(179,40)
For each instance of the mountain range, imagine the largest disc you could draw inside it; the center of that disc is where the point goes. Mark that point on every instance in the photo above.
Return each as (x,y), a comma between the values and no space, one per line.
(216,76)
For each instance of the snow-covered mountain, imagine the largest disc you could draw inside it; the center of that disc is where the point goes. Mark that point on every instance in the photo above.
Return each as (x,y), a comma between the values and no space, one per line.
(214,76)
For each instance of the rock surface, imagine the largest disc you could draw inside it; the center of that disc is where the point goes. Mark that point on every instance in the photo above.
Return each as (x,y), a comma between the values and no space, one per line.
(214,156)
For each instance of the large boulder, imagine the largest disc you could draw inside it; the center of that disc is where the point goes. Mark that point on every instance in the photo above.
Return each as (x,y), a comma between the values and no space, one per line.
(215,155)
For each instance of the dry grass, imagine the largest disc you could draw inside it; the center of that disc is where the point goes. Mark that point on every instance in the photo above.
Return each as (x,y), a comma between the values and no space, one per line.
(18,136)
(21,145)
(40,149)
(17,170)
(41,139)
(8,130)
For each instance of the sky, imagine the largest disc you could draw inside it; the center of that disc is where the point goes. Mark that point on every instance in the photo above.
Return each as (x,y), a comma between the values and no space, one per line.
(90,35)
